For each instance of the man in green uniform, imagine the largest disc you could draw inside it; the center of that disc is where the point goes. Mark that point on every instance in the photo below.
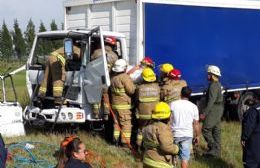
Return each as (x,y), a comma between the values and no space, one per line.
(213,112)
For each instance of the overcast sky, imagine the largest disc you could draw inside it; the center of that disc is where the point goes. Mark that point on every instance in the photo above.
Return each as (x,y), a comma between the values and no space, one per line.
(37,10)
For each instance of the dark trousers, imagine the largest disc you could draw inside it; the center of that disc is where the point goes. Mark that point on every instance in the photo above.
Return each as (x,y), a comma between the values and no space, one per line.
(212,137)
(249,160)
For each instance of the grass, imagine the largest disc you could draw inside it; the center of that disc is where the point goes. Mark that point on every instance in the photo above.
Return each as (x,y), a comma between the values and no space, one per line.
(231,154)
(113,156)
(117,157)
(231,151)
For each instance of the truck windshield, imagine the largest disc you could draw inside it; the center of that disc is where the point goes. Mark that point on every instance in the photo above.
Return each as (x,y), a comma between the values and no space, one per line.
(46,45)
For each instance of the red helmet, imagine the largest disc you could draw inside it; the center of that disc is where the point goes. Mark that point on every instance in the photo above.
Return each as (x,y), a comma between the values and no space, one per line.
(148,62)
(175,74)
(110,40)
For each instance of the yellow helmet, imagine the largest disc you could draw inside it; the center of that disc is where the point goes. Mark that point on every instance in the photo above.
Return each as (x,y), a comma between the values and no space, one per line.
(161,111)
(166,68)
(148,75)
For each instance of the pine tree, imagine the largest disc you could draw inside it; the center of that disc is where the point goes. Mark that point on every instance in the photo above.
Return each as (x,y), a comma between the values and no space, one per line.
(29,35)
(42,27)
(19,43)
(1,54)
(6,42)
(54,25)
(43,48)
(55,44)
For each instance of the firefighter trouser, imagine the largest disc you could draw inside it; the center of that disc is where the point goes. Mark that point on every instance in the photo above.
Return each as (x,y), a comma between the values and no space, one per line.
(97,106)
(54,71)
(141,125)
(124,117)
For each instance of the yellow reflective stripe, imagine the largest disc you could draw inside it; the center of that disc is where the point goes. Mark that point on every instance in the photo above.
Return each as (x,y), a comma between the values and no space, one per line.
(116,133)
(118,90)
(144,116)
(43,89)
(139,136)
(169,99)
(149,99)
(127,134)
(106,105)
(96,106)
(59,57)
(122,107)
(156,164)
(57,88)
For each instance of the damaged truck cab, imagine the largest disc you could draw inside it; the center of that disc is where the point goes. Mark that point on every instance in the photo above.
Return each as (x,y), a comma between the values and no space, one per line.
(85,78)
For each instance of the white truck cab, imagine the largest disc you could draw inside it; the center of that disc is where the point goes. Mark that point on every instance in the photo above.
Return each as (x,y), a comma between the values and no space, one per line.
(85,79)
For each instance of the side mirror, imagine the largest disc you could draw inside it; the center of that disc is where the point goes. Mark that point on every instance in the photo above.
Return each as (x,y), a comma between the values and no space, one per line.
(68,48)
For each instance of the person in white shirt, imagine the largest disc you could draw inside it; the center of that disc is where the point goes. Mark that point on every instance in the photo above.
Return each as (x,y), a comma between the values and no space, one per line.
(185,120)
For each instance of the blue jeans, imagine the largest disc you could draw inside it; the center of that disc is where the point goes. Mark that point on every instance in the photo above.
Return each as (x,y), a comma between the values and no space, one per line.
(184,144)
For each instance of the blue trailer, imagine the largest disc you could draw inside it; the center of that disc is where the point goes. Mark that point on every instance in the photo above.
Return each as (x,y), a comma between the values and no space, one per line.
(190,34)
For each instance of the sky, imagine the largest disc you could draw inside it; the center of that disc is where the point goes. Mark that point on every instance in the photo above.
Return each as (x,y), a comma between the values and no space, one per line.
(37,10)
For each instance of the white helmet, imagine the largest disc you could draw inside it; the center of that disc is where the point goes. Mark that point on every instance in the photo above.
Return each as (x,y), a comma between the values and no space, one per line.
(119,66)
(214,70)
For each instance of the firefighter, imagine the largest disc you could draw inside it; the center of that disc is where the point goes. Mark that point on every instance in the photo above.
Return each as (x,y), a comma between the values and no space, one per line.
(164,70)
(110,45)
(171,89)
(122,88)
(213,112)
(135,72)
(55,74)
(158,139)
(148,95)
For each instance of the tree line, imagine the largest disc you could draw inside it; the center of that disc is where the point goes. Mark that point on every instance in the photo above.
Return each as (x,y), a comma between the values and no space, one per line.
(17,44)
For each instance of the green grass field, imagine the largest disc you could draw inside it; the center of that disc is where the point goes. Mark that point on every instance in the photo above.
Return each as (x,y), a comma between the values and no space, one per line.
(231,154)
(117,157)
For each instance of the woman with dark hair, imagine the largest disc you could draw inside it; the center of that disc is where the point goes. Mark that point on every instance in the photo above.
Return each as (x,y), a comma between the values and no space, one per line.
(72,153)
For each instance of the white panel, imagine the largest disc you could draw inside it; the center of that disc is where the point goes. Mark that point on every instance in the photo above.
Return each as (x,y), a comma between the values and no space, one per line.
(100,21)
(76,24)
(125,20)
(100,14)
(77,12)
(76,17)
(101,7)
(126,23)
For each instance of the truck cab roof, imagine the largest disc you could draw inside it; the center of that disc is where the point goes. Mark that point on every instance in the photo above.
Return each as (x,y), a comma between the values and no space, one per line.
(76,32)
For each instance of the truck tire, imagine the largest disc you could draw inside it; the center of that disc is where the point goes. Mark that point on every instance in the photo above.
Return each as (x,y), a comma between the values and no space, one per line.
(242,107)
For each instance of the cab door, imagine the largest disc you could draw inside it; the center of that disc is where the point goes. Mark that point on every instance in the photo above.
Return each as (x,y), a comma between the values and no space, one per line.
(96,73)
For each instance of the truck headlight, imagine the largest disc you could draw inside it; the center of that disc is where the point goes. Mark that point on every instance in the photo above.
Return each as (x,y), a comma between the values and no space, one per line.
(63,116)
(70,115)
